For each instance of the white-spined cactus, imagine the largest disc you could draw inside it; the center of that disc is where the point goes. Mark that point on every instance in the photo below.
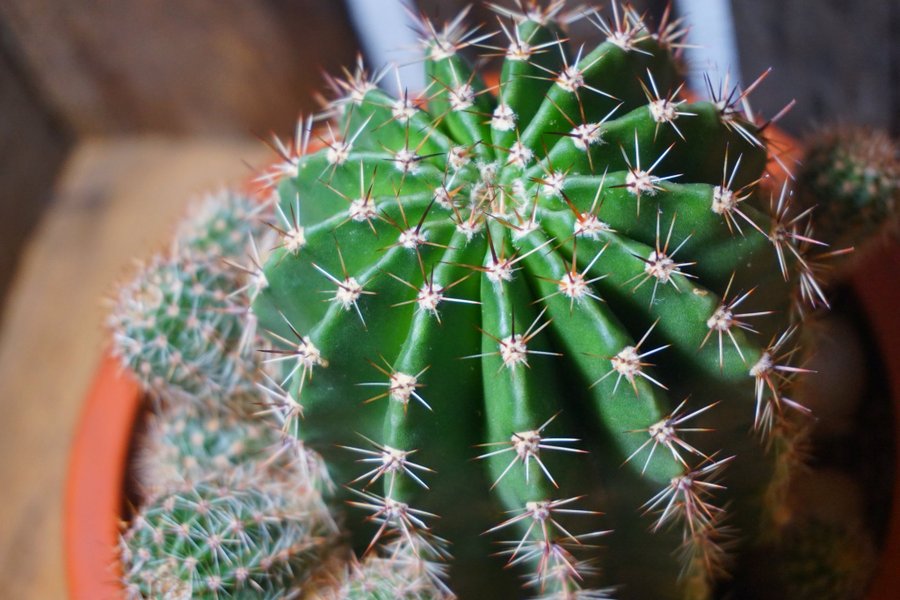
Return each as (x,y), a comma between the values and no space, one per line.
(573,276)
(182,324)
(851,175)
(235,536)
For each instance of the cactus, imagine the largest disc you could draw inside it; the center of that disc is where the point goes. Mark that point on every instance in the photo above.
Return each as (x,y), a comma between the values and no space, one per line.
(501,309)
(825,550)
(233,537)
(826,561)
(813,559)
(221,226)
(182,324)
(401,576)
(852,175)
(183,445)
(186,443)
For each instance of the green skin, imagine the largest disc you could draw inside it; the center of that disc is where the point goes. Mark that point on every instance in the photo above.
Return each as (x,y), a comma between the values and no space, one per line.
(226,539)
(186,298)
(473,396)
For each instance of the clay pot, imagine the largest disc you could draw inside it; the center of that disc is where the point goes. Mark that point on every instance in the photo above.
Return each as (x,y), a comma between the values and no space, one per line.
(95,496)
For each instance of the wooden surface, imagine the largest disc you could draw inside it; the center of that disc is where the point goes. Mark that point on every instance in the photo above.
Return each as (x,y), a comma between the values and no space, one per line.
(839,59)
(115,200)
(176,66)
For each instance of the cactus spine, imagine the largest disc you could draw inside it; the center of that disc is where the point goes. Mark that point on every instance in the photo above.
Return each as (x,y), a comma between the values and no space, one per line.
(568,271)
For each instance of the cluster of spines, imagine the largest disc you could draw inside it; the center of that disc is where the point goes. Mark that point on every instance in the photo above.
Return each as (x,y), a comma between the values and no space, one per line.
(183,323)
(228,537)
(489,205)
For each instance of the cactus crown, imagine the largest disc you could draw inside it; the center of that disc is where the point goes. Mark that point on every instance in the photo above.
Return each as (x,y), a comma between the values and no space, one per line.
(571,277)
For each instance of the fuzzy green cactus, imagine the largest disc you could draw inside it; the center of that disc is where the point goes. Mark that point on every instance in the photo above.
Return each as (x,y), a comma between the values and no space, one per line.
(402,575)
(826,549)
(825,561)
(185,443)
(852,176)
(572,277)
(222,226)
(232,537)
(182,324)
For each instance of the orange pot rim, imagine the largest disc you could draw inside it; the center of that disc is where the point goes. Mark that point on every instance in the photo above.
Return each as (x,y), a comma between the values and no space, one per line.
(94,490)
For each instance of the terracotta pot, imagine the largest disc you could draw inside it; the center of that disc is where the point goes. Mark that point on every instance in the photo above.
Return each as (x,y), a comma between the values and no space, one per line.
(95,486)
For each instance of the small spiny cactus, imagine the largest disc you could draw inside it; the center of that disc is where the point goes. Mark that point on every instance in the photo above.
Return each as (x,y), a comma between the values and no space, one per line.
(852,176)
(182,324)
(401,575)
(824,561)
(500,310)
(221,226)
(233,537)
(184,444)
(825,549)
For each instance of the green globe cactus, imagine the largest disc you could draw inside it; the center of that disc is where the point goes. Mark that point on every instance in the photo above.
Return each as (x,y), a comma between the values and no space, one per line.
(182,324)
(499,310)
(231,537)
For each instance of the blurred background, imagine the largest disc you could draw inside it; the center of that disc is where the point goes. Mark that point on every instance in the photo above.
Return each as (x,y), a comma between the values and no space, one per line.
(113,114)
(75,70)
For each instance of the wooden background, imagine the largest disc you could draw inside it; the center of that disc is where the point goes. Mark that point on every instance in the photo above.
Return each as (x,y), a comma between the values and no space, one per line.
(112,114)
